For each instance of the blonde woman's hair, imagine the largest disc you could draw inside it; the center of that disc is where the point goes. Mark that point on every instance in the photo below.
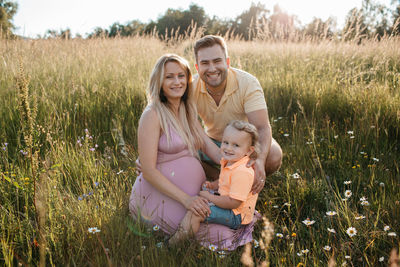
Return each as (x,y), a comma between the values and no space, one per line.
(185,123)
(252,131)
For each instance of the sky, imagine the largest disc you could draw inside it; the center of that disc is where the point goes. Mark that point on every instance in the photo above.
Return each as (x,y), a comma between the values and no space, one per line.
(35,17)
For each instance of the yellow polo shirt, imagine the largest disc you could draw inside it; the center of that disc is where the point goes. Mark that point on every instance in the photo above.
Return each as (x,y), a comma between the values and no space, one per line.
(243,94)
(236,181)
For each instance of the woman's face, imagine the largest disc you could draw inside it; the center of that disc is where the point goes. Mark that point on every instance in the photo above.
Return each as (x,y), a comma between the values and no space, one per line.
(175,81)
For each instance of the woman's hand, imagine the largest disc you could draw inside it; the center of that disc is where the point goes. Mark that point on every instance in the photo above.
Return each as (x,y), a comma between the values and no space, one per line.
(138,166)
(198,205)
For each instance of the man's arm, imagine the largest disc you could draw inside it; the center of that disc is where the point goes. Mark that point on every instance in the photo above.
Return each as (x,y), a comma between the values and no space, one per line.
(260,120)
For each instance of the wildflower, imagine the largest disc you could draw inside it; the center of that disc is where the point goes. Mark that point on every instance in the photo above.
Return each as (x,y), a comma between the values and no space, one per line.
(392,234)
(360,217)
(299,254)
(327,248)
(96,184)
(351,137)
(159,244)
(212,247)
(363,199)
(375,159)
(350,132)
(331,230)
(365,203)
(286,135)
(86,130)
(294,234)
(93,230)
(279,118)
(120,171)
(344,199)
(336,136)
(308,143)
(279,235)
(287,204)
(381,259)
(386,228)
(362,152)
(23,152)
(347,257)
(275,206)
(143,247)
(221,254)
(305,251)
(331,213)
(347,182)
(92,149)
(351,231)
(156,227)
(296,175)
(308,222)
(80,198)
(348,193)
(256,244)
(381,184)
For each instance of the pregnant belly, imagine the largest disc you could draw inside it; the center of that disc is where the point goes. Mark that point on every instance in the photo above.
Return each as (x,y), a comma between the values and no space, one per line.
(186,173)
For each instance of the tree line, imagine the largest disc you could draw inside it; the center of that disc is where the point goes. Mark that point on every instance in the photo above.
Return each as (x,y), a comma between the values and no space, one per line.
(372,20)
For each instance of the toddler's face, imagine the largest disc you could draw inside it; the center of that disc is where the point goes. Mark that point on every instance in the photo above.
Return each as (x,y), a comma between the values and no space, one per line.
(235,145)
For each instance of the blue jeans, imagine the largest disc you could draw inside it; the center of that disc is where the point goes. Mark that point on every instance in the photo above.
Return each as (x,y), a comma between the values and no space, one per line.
(225,217)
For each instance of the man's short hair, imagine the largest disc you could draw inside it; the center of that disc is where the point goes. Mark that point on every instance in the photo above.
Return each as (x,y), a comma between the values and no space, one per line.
(209,41)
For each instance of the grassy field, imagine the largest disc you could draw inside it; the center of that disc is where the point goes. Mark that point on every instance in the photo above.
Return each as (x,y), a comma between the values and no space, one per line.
(68,118)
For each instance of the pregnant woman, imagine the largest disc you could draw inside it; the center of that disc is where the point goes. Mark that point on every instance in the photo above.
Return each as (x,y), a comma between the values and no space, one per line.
(169,136)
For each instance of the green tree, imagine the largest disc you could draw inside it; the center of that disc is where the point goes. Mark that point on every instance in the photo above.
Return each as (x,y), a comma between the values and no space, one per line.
(176,22)
(319,29)
(7,12)
(247,22)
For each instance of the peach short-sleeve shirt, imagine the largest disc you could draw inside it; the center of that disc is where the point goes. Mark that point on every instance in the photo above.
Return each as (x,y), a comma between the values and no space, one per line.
(243,94)
(236,181)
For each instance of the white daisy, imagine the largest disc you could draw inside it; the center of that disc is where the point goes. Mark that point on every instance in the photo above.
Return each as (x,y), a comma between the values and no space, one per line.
(156,227)
(381,259)
(363,199)
(347,193)
(347,182)
(392,234)
(256,244)
(331,213)
(327,248)
(351,231)
(305,251)
(331,230)
(308,222)
(93,230)
(296,175)
(359,217)
(347,257)
(365,203)
(279,235)
(375,159)
(350,132)
(212,247)
(386,228)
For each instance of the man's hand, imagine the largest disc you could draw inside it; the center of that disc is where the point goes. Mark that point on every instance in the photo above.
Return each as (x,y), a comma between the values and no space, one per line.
(259,175)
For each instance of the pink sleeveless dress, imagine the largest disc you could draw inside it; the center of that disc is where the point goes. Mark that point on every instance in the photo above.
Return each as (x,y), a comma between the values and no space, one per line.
(176,163)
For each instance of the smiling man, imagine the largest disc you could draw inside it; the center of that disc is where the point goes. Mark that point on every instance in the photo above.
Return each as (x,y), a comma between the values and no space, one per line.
(224,94)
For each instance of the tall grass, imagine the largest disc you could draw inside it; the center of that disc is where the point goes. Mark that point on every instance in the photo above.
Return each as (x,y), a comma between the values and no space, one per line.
(334,108)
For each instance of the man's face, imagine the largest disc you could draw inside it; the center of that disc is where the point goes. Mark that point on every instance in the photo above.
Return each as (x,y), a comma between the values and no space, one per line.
(212,66)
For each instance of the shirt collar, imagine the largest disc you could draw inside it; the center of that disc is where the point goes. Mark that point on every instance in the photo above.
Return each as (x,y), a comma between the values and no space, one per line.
(243,160)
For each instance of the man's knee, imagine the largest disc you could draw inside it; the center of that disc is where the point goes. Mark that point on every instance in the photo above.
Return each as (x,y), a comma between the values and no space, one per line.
(274,159)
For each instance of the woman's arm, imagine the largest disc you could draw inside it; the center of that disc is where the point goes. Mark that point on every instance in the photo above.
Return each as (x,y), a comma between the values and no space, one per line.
(209,148)
(148,139)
